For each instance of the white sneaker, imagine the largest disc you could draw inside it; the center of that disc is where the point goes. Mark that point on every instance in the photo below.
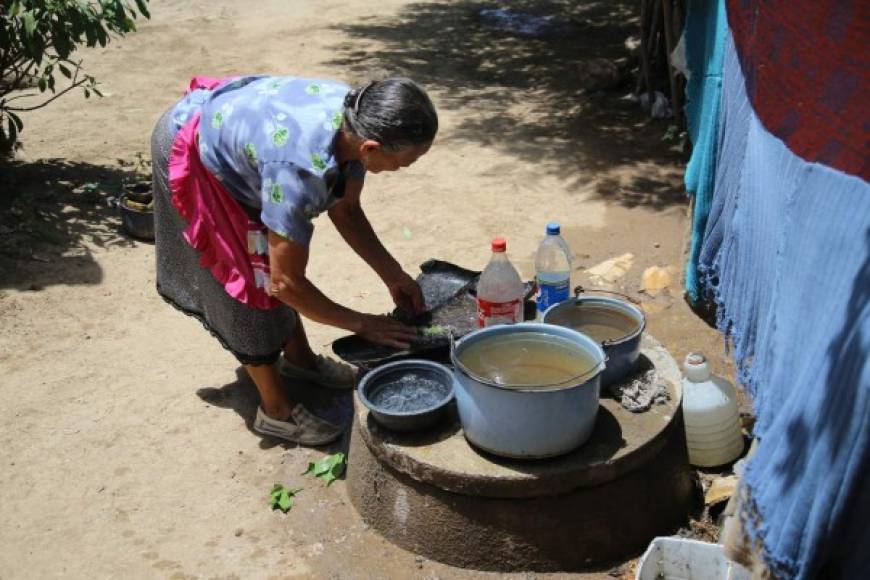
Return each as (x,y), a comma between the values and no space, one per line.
(301,427)
(330,373)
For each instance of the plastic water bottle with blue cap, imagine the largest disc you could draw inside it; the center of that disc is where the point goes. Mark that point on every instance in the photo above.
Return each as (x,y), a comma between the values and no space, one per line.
(552,269)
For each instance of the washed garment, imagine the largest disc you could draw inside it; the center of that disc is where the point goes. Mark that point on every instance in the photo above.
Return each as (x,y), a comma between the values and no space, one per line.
(705,31)
(807,73)
(786,257)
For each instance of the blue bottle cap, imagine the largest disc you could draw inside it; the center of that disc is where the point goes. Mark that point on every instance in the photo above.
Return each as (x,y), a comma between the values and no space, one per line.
(553,228)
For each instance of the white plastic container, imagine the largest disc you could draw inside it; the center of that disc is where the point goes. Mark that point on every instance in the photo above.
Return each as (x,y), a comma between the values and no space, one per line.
(552,269)
(499,290)
(710,412)
(684,559)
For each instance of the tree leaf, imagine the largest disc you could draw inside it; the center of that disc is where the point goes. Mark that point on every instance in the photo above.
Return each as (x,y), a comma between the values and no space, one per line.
(42,84)
(12,132)
(143,8)
(281,498)
(29,21)
(16,120)
(318,468)
(285,501)
(15,8)
(329,468)
(64,71)
(321,467)
(338,469)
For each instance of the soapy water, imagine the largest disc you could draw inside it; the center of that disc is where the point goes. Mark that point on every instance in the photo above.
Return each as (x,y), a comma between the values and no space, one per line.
(408,393)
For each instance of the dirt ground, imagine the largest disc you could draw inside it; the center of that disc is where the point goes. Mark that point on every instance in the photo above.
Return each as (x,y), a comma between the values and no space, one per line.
(125,441)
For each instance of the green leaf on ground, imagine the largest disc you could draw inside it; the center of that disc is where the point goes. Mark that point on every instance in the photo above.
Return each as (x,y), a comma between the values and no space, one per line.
(281,498)
(329,468)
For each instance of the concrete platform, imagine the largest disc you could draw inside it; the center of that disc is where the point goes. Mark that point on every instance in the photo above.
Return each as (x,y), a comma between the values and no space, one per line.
(434,494)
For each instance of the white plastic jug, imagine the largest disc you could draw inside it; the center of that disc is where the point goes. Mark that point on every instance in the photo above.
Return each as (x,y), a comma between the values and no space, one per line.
(710,412)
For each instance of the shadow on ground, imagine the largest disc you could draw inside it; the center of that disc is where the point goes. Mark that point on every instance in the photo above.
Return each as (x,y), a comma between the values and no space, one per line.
(241,396)
(527,92)
(52,211)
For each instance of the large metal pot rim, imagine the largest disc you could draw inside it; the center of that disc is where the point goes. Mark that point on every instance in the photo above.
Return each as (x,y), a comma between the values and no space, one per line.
(615,302)
(572,383)
(407,364)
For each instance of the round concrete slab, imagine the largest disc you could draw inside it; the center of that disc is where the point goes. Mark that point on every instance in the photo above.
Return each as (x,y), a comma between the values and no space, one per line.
(435,495)
(621,442)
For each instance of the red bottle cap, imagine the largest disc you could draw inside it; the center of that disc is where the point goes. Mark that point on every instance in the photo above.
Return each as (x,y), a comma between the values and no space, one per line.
(499,245)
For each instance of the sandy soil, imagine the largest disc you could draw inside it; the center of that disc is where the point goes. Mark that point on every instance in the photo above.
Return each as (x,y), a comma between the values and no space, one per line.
(120,451)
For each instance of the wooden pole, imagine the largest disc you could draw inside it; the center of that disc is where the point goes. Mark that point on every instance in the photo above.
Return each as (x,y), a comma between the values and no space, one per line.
(669,47)
(644,80)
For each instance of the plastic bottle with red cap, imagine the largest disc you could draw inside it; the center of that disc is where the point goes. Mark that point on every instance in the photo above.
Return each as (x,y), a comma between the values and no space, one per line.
(499,290)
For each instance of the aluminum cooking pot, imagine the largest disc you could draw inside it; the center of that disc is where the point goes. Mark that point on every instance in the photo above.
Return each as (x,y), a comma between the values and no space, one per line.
(527,423)
(622,353)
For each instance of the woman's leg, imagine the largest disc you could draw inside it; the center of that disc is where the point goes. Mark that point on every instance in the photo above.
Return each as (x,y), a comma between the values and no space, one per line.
(298,351)
(272,398)
(306,366)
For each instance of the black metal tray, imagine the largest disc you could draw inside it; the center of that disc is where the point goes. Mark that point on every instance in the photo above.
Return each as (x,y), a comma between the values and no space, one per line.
(449,292)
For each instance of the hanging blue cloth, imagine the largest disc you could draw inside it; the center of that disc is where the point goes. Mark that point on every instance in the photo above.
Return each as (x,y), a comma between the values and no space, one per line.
(705,32)
(786,255)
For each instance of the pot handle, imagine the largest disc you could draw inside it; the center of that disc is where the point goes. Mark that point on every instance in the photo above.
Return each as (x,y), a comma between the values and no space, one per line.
(578,290)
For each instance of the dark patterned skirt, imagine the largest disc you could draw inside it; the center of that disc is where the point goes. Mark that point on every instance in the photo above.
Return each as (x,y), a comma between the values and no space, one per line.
(254,336)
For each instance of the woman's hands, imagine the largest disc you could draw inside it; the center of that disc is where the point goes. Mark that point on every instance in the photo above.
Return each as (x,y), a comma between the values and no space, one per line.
(406,292)
(386,331)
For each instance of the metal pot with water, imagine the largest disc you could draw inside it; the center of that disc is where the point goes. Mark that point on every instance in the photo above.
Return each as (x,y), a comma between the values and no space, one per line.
(527,390)
(613,322)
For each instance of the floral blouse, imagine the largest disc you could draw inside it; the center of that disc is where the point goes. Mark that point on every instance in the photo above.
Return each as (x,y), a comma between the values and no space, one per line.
(269,141)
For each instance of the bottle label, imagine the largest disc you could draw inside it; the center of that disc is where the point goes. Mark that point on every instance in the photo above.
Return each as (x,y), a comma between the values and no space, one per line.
(549,294)
(492,313)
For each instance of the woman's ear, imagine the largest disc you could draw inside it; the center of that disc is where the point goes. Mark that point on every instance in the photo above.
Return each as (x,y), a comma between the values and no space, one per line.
(369,146)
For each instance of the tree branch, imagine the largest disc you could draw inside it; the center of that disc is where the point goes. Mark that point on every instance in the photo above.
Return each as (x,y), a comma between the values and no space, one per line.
(75,83)
(24,96)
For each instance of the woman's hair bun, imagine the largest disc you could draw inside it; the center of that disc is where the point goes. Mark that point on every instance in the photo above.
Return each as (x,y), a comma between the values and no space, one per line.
(395,112)
(350,98)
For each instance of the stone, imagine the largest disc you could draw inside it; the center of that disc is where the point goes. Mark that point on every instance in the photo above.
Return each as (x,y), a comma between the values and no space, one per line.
(657,278)
(721,490)
(609,271)
(598,74)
